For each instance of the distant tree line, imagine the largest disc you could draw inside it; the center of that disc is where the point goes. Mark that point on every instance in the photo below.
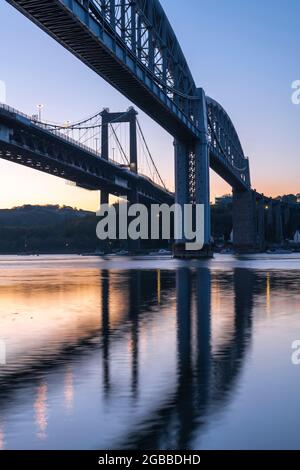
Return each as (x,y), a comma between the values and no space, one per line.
(47,229)
(55,229)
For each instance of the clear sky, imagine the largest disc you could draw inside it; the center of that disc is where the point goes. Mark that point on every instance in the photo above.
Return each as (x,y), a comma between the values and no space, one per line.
(245,54)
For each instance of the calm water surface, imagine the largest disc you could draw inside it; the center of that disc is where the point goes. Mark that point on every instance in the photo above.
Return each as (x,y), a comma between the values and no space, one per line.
(149,353)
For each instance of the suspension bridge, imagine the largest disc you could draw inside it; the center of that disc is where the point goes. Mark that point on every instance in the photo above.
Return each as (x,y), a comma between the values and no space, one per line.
(131,44)
(71,151)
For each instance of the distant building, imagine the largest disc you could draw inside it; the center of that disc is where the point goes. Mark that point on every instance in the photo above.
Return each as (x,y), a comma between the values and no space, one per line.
(223,200)
(290,198)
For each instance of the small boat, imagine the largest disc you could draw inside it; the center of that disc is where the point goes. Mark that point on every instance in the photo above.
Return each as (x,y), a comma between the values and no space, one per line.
(122,253)
(161,252)
(227,251)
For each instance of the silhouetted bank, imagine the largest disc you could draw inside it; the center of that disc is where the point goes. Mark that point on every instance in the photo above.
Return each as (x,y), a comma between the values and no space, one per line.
(47,229)
(54,229)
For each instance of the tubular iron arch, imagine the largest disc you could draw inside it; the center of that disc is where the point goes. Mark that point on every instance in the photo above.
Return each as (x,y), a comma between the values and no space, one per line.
(225,145)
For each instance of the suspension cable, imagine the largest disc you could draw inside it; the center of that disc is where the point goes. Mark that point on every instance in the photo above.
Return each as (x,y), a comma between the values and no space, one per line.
(120,145)
(77,125)
(153,163)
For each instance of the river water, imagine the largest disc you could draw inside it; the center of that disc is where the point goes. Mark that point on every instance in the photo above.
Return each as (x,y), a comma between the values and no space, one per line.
(149,353)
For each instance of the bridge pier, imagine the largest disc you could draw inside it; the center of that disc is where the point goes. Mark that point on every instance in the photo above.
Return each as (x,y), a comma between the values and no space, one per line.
(192,180)
(261,236)
(275,222)
(108,119)
(244,221)
(104,197)
(182,195)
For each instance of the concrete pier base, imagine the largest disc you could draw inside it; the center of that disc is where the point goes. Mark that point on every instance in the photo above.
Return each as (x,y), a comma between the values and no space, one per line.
(180,252)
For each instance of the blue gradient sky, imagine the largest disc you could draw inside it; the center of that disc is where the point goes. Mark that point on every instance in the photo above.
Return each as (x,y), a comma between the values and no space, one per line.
(244,54)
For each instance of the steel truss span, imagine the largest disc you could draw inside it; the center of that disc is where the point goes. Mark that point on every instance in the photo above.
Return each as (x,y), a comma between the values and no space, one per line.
(131,44)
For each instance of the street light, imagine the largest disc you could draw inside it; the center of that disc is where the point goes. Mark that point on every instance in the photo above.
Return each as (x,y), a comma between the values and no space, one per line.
(40,107)
(2,92)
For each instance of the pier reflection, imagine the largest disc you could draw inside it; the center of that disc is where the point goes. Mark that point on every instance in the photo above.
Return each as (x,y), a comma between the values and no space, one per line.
(205,379)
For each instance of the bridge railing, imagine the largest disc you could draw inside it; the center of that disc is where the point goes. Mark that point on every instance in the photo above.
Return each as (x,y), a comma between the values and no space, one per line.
(45,126)
(10,109)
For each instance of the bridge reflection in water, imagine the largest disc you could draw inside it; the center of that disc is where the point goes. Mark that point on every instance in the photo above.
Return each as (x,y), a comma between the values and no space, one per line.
(128,358)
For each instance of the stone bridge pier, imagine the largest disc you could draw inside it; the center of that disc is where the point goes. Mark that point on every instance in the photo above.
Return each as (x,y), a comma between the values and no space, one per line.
(244,220)
(258,221)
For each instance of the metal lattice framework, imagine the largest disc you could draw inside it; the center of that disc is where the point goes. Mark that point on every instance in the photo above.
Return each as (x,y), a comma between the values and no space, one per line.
(226,151)
(143,27)
(131,44)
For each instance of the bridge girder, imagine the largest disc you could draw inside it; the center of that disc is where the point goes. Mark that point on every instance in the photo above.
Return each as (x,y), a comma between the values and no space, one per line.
(146,68)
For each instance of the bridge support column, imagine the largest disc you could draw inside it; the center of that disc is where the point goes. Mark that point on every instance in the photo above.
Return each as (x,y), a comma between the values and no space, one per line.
(104,196)
(192,179)
(133,141)
(261,237)
(182,195)
(202,186)
(244,221)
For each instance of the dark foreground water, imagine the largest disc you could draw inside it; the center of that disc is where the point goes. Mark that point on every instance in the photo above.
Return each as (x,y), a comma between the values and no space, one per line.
(149,353)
